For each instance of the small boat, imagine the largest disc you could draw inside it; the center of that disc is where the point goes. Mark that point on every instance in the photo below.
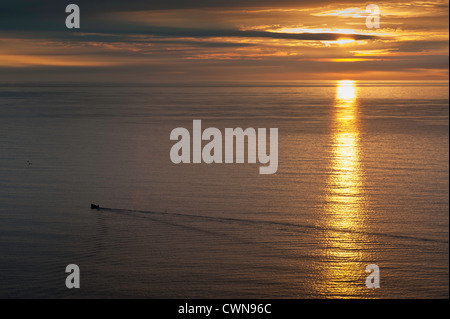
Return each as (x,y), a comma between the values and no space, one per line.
(93,206)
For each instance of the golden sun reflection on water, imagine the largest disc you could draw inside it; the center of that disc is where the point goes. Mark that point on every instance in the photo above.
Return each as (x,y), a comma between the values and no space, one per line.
(344,214)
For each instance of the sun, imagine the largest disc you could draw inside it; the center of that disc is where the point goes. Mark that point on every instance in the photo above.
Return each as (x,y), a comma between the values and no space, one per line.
(346,91)
(344,41)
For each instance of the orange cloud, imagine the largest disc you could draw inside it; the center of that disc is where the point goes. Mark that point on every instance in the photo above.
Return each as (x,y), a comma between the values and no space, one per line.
(34,60)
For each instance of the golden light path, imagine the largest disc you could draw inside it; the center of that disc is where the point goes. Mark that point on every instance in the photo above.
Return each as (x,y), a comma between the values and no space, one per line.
(343,273)
(345,182)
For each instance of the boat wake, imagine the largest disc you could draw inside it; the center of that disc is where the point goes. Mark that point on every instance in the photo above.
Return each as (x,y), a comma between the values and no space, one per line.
(273,223)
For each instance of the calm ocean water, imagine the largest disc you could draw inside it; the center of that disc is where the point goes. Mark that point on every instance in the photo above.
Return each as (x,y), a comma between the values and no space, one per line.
(363,179)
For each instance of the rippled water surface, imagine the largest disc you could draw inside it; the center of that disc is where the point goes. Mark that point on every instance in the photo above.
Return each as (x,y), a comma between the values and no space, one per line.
(362,179)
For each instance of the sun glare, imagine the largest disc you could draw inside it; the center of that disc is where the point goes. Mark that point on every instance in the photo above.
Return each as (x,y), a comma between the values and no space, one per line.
(345,41)
(345,197)
(346,90)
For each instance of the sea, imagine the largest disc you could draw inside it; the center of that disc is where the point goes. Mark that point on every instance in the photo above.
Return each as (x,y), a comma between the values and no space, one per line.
(362,181)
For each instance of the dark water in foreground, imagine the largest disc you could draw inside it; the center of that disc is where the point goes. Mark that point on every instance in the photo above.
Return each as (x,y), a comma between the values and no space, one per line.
(363,178)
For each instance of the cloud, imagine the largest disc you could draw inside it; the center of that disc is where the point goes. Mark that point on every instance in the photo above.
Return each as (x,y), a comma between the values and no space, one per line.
(211,33)
(219,39)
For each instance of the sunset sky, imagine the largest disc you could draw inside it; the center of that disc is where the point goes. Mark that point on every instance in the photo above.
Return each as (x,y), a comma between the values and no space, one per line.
(214,40)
